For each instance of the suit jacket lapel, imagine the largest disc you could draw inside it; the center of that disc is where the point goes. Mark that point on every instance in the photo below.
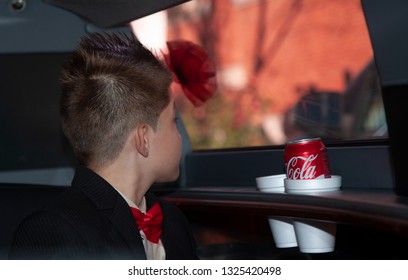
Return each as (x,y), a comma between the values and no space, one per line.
(122,218)
(112,205)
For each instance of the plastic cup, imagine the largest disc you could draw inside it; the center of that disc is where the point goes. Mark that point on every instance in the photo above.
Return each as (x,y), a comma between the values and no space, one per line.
(282,228)
(314,236)
(283,231)
(313,186)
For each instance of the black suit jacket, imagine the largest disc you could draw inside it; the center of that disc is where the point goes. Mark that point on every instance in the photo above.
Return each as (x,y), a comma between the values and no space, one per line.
(91,220)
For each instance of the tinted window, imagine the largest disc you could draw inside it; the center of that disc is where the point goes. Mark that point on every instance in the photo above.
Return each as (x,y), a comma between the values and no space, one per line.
(285,70)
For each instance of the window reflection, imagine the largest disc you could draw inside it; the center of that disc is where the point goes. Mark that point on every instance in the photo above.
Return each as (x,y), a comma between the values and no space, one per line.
(286,69)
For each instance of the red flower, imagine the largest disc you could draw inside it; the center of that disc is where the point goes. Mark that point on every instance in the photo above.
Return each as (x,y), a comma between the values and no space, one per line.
(192,70)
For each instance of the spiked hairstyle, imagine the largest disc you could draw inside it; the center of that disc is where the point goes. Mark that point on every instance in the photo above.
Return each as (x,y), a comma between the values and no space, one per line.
(111,84)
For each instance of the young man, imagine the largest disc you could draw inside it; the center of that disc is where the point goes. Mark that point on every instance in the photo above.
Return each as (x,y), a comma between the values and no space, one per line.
(120,119)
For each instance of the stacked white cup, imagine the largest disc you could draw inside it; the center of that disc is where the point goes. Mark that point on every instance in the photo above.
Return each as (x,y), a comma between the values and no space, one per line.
(282,227)
(314,236)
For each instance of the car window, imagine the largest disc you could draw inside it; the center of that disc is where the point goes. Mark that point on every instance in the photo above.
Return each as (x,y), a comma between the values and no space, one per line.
(285,70)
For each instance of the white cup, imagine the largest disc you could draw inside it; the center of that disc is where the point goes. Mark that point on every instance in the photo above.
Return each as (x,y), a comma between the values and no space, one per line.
(313,186)
(314,236)
(282,227)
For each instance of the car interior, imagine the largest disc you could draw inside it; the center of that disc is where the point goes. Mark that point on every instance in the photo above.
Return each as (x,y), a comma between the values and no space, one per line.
(216,189)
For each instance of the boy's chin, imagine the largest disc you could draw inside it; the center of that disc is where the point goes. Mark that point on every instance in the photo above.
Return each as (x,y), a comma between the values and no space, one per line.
(170,178)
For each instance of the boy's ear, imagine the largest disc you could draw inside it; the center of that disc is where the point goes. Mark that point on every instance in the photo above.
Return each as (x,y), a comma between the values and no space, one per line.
(142,139)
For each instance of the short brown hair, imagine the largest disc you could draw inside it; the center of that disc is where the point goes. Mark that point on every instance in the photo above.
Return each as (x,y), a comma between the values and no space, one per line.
(111,84)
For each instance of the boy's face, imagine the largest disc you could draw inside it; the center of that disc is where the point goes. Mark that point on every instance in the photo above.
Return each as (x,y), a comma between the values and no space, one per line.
(166,146)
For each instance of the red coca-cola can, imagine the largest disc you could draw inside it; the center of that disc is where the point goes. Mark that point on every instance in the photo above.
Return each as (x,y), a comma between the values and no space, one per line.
(306,159)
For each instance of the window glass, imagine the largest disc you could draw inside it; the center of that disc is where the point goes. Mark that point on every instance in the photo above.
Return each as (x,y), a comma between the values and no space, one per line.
(286,69)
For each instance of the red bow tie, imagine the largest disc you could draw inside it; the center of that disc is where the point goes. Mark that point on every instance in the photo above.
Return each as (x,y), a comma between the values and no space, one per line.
(150,223)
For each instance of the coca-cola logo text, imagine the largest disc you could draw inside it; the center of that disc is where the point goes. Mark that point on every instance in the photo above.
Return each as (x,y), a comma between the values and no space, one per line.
(301,168)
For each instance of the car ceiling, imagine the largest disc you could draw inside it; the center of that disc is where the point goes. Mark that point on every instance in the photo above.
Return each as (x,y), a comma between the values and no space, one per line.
(111,13)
